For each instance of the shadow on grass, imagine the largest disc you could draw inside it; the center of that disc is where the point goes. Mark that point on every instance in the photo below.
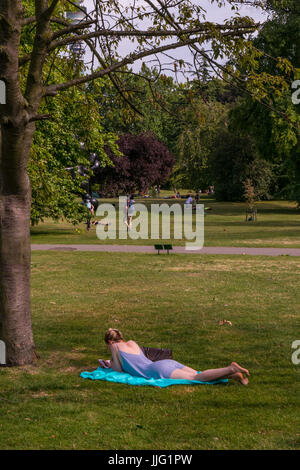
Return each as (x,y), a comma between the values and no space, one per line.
(62,231)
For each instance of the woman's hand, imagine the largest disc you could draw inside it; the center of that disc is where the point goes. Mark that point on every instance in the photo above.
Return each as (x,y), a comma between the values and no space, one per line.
(104,364)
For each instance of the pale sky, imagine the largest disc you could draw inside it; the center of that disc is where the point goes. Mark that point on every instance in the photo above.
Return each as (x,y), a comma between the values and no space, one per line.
(213,14)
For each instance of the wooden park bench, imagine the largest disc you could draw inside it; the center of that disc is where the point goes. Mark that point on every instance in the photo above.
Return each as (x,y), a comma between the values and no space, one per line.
(159,248)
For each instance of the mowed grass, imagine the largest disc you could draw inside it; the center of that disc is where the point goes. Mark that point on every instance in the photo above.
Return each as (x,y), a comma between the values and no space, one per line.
(278,225)
(176,302)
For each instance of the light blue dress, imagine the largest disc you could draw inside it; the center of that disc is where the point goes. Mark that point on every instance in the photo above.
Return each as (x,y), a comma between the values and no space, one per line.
(139,365)
(131,207)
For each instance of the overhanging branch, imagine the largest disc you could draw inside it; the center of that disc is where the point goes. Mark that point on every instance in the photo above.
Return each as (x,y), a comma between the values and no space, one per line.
(234,30)
(112,78)
(39,117)
(52,89)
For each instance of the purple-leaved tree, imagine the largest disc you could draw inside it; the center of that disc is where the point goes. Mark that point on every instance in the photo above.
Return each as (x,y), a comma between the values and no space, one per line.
(145,162)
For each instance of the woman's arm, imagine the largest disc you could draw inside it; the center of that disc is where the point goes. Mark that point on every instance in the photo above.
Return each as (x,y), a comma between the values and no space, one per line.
(115,362)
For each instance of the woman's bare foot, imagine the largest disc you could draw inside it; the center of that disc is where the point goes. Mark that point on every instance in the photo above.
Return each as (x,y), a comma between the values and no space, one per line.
(239,368)
(239,377)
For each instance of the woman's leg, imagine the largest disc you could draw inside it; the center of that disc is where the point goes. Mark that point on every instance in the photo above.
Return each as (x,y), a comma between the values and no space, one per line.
(222,373)
(186,373)
(238,376)
(208,375)
(215,374)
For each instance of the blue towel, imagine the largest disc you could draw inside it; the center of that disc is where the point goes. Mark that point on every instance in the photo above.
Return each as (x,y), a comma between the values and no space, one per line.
(123,378)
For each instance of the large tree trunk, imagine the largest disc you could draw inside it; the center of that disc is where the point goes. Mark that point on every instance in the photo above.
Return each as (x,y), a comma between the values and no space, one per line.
(16,329)
(16,133)
(15,202)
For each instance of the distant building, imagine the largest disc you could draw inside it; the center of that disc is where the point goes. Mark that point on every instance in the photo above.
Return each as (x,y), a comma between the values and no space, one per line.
(77,17)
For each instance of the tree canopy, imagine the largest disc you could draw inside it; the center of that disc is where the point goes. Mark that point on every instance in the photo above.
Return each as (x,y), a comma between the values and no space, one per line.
(144,162)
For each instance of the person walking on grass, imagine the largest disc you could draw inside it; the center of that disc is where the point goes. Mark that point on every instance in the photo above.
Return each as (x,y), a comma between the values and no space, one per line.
(90,207)
(128,357)
(129,211)
(189,200)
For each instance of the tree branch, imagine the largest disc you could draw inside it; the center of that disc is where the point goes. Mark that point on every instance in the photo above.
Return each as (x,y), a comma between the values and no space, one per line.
(240,87)
(28,20)
(72,28)
(53,89)
(53,19)
(229,31)
(51,8)
(112,78)
(33,92)
(39,117)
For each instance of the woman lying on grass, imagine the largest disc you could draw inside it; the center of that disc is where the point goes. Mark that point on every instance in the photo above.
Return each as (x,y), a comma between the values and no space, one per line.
(128,357)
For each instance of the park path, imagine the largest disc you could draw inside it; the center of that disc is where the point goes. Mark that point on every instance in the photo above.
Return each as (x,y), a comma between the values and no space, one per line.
(209,250)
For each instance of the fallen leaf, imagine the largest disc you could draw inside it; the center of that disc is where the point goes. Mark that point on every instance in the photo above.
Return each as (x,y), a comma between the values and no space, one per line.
(225,322)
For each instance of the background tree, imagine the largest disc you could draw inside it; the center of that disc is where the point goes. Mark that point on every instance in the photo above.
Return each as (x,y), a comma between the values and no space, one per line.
(150,102)
(144,162)
(204,114)
(184,116)
(57,153)
(249,194)
(234,159)
(275,129)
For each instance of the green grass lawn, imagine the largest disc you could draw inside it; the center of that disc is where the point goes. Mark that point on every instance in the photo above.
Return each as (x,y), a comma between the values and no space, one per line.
(171,301)
(278,225)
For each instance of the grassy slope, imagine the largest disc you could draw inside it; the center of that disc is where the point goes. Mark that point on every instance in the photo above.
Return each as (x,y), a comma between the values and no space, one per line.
(171,301)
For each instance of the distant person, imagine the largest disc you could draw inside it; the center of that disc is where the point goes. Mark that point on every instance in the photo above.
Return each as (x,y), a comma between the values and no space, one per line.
(130,210)
(189,200)
(157,190)
(90,207)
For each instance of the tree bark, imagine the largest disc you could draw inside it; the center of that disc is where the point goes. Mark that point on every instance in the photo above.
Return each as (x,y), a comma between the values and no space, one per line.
(16,328)
(16,135)
(15,202)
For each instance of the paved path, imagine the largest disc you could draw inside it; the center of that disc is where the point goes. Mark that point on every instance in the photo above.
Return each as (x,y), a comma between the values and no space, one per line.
(211,250)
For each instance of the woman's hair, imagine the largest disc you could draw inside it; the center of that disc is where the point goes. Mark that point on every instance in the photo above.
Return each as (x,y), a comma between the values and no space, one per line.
(112,334)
